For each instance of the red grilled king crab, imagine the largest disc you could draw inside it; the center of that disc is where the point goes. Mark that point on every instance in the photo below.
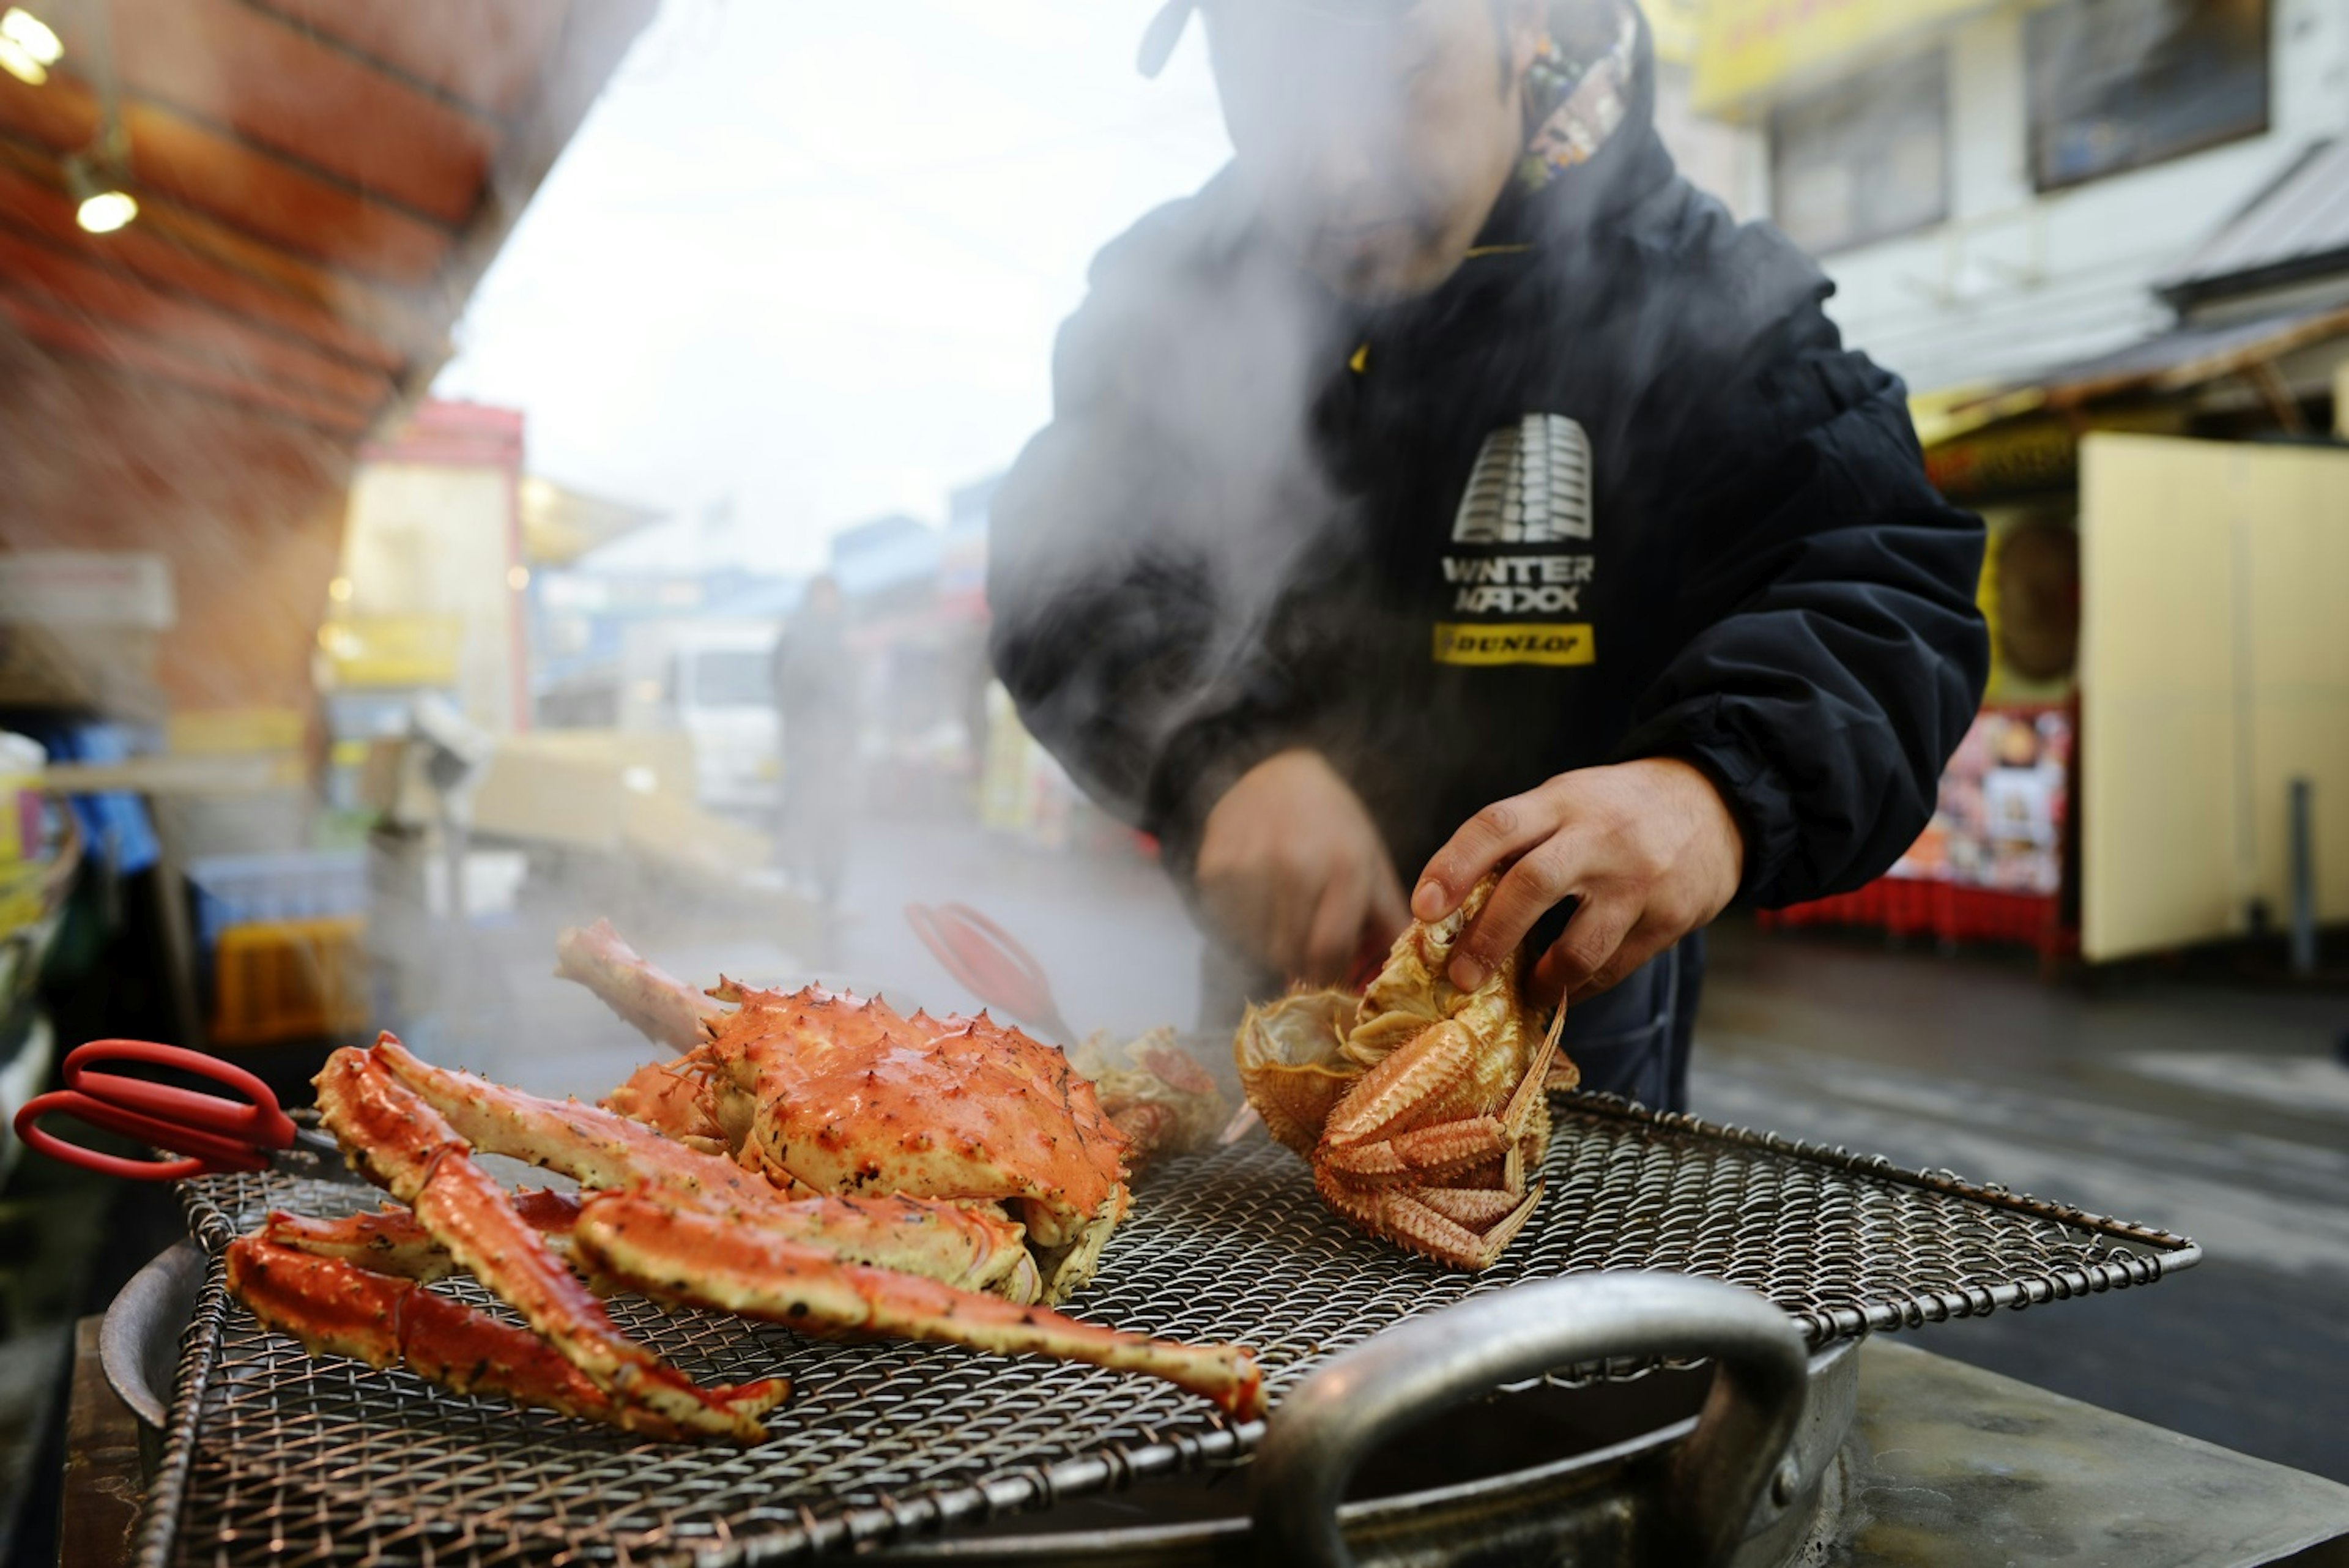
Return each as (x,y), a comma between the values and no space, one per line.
(825,1093)
(815,1161)
(1422,1107)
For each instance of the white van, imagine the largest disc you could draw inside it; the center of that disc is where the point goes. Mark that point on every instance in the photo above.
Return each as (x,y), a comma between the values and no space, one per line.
(715,683)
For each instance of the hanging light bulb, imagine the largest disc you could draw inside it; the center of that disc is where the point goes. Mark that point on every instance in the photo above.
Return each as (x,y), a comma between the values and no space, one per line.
(20,65)
(105,211)
(101,204)
(31,34)
(28,46)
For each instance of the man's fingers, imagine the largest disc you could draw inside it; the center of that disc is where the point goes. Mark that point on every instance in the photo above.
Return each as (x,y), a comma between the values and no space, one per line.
(1336,932)
(1590,946)
(1536,885)
(1244,901)
(1289,910)
(1570,973)
(1494,834)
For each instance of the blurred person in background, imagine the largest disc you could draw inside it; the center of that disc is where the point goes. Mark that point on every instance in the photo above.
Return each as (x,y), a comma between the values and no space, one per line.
(815,696)
(1449,487)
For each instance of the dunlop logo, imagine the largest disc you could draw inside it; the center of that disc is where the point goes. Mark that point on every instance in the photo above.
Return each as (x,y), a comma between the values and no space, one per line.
(1488,645)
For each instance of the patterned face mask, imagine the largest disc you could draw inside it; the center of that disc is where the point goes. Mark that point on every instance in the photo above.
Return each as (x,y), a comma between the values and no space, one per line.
(1578,91)
(1579,88)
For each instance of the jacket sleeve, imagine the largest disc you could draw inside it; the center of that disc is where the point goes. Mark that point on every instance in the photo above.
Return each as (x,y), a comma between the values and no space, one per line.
(1118,572)
(1834,655)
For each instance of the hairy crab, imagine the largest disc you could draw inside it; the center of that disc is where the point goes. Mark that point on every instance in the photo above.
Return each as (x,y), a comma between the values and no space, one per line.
(1422,1108)
(814,1160)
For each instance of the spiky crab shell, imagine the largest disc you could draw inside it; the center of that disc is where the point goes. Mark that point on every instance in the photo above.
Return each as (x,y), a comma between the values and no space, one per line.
(835,1093)
(1298,1056)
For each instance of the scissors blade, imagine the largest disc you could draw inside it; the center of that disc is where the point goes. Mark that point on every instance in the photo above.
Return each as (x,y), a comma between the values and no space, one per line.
(316,1156)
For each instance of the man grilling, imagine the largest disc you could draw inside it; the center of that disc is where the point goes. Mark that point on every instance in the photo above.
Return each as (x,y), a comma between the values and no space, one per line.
(1449,487)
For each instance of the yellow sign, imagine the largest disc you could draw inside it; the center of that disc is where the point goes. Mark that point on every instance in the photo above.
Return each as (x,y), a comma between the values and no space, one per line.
(1748,49)
(394,651)
(1456,644)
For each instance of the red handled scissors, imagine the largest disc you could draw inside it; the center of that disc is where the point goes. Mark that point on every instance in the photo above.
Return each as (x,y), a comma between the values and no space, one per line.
(990,963)
(214,1135)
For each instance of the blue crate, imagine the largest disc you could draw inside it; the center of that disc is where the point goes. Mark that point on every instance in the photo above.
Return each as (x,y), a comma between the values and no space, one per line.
(249,889)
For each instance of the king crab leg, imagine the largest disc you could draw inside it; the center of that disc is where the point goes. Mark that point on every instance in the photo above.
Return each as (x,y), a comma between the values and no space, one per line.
(394,1241)
(1413,1218)
(681,1226)
(953,1244)
(408,1147)
(967,1245)
(695,1258)
(662,1006)
(1366,1140)
(336,1307)
(1361,1174)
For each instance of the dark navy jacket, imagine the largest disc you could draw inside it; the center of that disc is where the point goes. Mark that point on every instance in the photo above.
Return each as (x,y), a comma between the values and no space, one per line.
(1616,490)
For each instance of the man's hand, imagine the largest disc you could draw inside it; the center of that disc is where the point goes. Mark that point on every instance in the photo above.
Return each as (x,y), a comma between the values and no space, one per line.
(1648,849)
(1292,868)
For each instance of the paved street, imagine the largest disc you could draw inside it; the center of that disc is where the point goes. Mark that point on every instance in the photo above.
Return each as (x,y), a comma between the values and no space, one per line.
(2220,1114)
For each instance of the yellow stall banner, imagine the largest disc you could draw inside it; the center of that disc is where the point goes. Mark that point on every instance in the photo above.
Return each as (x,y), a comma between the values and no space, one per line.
(394,650)
(1748,51)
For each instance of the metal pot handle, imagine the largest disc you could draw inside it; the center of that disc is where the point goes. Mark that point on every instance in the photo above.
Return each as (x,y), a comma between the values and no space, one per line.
(1328,1423)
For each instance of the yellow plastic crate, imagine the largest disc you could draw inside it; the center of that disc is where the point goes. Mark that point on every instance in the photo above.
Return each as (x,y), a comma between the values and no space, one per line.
(290,979)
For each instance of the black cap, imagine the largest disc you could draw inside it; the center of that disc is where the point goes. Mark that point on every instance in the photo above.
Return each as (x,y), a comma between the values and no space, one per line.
(1165,29)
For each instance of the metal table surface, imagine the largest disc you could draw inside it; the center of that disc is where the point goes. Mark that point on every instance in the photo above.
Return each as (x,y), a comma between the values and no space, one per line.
(1958,1467)
(1951,1467)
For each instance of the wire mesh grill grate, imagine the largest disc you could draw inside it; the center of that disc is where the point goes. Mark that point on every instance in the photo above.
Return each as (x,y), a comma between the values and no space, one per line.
(275,1457)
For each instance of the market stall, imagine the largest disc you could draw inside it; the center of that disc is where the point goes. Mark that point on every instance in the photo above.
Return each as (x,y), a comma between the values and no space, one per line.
(2160,519)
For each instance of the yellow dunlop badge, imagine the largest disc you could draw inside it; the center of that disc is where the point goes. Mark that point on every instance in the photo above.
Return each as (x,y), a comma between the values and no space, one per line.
(1536,644)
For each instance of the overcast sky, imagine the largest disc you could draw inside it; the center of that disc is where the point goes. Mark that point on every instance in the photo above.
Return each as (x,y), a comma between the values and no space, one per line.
(809,255)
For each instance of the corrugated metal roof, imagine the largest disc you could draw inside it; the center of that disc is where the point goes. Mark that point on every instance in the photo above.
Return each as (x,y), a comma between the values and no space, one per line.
(2298,226)
(2175,361)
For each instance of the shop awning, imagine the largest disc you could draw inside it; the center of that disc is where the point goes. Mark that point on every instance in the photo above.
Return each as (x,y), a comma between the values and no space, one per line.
(559,524)
(2295,230)
(1979,441)
(2189,357)
(2179,360)
(1944,416)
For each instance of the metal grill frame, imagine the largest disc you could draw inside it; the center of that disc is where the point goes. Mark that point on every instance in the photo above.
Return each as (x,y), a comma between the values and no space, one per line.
(2136,1255)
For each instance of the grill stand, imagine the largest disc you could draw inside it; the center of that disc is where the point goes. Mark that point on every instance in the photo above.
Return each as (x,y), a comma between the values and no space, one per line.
(274,1457)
